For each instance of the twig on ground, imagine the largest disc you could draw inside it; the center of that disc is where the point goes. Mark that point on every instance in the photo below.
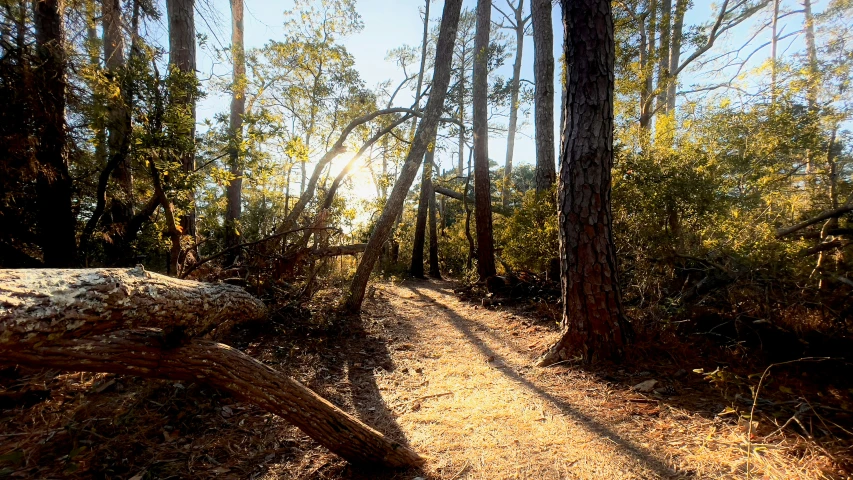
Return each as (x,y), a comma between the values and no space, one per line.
(755,403)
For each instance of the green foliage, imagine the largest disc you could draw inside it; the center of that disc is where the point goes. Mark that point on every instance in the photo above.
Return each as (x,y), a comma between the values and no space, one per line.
(529,237)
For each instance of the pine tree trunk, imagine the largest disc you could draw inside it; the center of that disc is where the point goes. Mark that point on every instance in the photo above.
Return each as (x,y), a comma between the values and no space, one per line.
(675,54)
(234,191)
(543,72)
(482,183)
(434,270)
(593,325)
(663,51)
(56,222)
(427,129)
(416,269)
(118,112)
(647,102)
(182,57)
(520,24)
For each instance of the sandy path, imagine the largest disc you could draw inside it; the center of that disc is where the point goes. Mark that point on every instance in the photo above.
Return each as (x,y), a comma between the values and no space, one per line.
(465,395)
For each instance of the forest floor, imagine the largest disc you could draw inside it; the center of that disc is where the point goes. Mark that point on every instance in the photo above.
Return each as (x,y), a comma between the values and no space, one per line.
(450,378)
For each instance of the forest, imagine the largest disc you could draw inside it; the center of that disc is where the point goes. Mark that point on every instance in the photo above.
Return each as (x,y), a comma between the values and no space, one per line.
(423,239)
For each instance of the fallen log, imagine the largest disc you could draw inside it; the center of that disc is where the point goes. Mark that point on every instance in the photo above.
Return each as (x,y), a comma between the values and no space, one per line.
(129,321)
(338,250)
(66,303)
(147,353)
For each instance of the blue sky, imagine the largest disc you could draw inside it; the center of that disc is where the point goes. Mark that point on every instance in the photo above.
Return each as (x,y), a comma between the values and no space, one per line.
(392,23)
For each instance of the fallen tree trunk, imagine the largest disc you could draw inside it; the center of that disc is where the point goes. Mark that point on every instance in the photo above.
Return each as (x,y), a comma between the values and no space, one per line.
(66,303)
(147,353)
(337,250)
(129,321)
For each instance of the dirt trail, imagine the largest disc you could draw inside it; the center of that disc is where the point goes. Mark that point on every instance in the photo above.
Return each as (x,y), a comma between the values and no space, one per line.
(462,392)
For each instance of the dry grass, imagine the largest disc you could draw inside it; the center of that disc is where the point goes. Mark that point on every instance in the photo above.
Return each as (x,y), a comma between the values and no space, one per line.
(451,379)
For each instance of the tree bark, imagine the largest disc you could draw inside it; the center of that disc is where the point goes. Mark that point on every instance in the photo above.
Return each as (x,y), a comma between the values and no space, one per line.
(434,269)
(64,303)
(149,354)
(118,112)
(416,269)
(543,73)
(593,325)
(663,51)
(520,24)
(482,183)
(89,320)
(234,191)
(675,54)
(56,222)
(427,129)
(647,98)
(182,58)
(774,43)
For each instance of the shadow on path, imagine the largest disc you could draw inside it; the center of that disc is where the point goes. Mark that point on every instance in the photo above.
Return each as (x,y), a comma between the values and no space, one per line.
(626,446)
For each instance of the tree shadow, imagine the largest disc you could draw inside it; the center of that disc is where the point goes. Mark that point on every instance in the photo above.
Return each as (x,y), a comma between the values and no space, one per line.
(626,446)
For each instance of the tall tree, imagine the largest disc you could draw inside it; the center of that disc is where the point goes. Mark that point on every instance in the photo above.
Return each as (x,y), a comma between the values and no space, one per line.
(417,267)
(118,108)
(56,221)
(593,325)
(234,191)
(182,62)
(543,75)
(516,22)
(426,131)
(482,183)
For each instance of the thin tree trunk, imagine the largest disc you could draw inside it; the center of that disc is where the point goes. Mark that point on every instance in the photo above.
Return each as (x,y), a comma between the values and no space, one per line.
(97,123)
(427,129)
(56,222)
(182,58)
(543,72)
(663,52)
(675,54)
(416,269)
(812,83)
(593,325)
(774,42)
(520,24)
(647,93)
(434,269)
(460,101)
(482,184)
(118,112)
(234,191)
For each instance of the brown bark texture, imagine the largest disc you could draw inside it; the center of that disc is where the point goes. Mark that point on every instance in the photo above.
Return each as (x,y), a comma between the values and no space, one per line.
(434,268)
(182,56)
(427,129)
(482,184)
(56,222)
(234,191)
(149,353)
(543,103)
(593,325)
(118,112)
(128,321)
(74,303)
(416,269)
